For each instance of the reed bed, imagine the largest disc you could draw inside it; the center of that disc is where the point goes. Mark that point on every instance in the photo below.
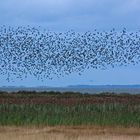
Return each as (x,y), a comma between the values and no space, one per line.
(113,114)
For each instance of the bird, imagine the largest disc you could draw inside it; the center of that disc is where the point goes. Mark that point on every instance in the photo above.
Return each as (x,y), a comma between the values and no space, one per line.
(31,51)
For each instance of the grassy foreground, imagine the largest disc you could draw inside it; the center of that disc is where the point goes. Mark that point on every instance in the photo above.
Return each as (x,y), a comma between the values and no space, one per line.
(27,112)
(105,114)
(69,133)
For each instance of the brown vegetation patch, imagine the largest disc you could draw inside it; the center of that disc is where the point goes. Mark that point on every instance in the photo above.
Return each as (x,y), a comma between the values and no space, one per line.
(70,100)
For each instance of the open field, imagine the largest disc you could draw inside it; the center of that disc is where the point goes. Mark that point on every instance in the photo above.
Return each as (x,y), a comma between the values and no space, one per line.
(67,98)
(70,109)
(69,116)
(69,133)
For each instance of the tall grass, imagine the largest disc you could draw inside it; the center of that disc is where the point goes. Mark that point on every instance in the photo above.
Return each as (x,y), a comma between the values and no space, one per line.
(88,114)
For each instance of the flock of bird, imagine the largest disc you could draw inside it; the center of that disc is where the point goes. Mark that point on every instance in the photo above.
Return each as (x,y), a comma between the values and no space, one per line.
(32,51)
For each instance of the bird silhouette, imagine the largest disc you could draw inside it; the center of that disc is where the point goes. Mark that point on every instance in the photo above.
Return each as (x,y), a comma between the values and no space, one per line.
(41,53)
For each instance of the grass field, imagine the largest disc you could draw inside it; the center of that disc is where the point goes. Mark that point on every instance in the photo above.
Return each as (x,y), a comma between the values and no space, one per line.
(69,133)
(52,108)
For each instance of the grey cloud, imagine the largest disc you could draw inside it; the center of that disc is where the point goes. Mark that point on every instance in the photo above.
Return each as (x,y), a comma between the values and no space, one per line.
(81,14)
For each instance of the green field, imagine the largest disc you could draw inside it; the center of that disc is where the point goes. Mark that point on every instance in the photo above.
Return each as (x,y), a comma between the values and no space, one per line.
(37,110)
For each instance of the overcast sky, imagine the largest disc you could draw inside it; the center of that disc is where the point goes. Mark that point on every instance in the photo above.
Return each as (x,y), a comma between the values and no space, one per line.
(80,15)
